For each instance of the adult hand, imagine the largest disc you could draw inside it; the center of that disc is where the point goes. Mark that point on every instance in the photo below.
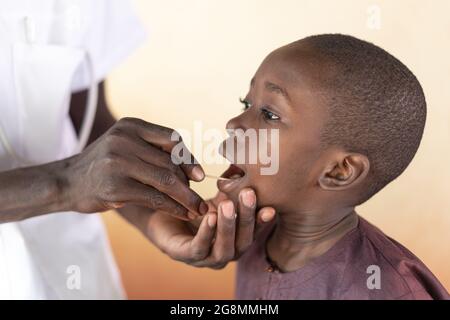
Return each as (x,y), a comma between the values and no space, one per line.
(131,164)
(222,235)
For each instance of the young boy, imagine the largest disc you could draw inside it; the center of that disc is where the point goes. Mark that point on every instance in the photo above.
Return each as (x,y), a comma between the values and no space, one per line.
(350,118)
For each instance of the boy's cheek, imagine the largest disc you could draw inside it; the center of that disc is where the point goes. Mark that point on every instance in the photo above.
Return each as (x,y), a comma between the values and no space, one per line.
(267,189)
(278,189)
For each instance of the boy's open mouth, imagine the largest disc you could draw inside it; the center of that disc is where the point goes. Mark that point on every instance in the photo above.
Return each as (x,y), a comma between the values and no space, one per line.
(235,175)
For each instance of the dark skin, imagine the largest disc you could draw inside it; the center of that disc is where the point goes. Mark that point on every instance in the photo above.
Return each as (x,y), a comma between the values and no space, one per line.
(209,241)
(320,184)
(127,162)
(127,166)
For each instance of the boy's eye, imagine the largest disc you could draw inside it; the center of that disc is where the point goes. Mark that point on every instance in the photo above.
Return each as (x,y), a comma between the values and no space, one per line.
(245,103)
(269,115)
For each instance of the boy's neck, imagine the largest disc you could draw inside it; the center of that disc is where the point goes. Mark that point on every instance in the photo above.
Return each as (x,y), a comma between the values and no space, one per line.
(300,237)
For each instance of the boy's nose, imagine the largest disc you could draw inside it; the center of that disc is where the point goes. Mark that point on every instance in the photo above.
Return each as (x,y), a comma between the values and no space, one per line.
(236,123)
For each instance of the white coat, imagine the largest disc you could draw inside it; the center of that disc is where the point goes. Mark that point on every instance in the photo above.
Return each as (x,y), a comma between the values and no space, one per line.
(44,45)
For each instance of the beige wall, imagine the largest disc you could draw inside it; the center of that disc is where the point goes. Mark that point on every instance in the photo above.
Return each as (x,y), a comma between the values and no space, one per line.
(198,60)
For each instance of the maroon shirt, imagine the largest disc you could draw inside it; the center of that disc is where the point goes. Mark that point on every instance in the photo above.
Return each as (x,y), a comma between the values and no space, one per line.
(342,272)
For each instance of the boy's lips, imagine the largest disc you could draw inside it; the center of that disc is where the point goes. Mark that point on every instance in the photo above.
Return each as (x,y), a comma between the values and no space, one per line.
(235,175)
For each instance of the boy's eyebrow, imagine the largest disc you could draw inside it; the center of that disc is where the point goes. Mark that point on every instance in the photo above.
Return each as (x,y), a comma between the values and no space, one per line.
(276,88)
(273,88)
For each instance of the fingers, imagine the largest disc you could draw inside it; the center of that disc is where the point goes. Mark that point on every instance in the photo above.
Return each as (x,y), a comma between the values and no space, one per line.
(223,248)
(233,233)
(226,228)
(152,155)
(171,236)
(194,171)
(163,137)
(136,193)
(245,220)
(167,139)
(166,182)
(201,244)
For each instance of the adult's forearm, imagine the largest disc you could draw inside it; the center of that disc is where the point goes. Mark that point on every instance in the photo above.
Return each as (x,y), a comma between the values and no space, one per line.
(33,191)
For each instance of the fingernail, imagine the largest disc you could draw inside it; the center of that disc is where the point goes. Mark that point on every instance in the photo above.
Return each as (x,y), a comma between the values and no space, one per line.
(267,215)
(212,219)
(228,209)
(203,208)
(249,198)
(198,174)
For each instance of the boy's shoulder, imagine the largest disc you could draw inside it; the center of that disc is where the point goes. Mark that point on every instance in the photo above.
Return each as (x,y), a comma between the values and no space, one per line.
(378,267)
(364,264)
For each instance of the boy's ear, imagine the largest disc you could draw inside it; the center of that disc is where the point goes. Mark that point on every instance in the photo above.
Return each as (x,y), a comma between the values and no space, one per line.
(346,171)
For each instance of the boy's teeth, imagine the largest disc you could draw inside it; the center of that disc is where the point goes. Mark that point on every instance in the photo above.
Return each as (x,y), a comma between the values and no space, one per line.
(235,176)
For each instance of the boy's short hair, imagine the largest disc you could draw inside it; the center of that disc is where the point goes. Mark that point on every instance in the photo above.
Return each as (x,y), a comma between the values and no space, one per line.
(377,106)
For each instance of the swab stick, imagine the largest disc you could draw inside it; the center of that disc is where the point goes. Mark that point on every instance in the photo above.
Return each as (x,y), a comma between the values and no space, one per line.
(215,177)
